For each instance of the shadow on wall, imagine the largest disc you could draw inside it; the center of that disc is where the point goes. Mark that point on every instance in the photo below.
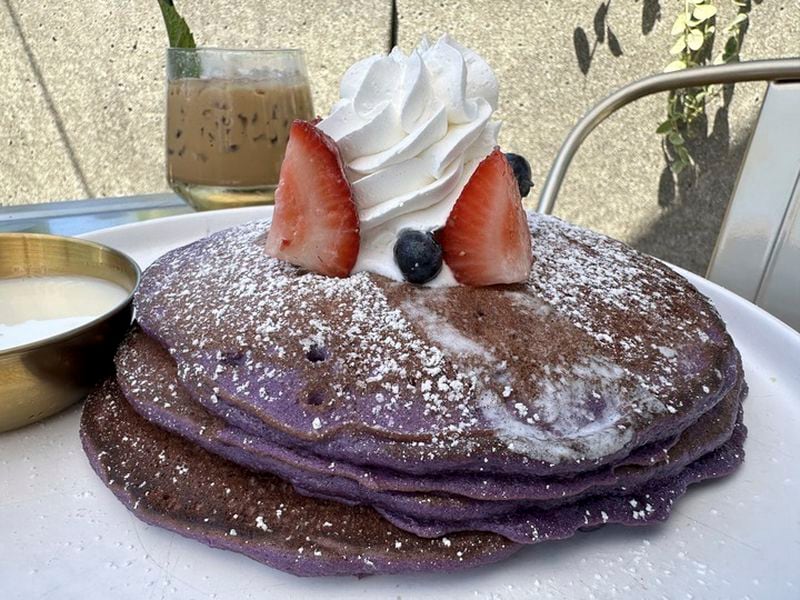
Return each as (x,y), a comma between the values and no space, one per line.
(602,34)
(693,203)
(651,13)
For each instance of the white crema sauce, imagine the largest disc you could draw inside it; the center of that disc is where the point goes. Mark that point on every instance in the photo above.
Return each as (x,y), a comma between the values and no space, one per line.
(34,308)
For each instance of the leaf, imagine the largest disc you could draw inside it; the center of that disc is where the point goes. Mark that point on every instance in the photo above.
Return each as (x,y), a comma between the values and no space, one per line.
(613,44)
(582,52)
(679,25)
(651,13)
(695,40)
(180,36)
(600,22)
(731,49)
(679,166)
(703,12)
(740,18)
(665,127)
(675,138)
(680,46)
(675,65)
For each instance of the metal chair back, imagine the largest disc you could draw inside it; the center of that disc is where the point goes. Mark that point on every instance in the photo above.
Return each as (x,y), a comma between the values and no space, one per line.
(757,254)
(758,249)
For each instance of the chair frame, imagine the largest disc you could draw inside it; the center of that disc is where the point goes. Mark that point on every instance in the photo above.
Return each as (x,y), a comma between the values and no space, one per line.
(757,70)
(757,253)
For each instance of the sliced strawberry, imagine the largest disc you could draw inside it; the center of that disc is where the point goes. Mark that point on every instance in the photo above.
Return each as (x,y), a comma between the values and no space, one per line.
(315,223)
(486,239)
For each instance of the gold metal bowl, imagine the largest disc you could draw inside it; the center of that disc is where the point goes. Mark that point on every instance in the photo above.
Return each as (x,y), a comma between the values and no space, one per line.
(45,376)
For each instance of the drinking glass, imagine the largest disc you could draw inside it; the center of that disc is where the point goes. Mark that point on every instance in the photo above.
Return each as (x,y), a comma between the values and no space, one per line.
(228,119)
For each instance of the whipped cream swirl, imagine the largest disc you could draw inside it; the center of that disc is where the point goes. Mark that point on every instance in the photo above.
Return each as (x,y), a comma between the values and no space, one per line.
(411,129)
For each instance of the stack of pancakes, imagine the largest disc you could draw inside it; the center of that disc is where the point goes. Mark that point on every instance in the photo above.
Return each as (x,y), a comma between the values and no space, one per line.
(360,425)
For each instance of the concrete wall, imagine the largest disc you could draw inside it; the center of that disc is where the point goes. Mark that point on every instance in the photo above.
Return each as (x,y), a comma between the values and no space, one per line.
(618,182)
(84,95)
(84,98)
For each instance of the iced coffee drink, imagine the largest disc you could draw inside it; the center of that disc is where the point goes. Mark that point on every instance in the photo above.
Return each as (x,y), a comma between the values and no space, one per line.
(226,135)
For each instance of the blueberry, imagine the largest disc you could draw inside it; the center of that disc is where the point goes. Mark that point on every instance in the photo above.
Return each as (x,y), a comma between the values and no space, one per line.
(522,171)
(418,255)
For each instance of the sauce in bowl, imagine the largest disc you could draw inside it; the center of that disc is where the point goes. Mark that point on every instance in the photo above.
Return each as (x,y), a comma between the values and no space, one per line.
(35,308)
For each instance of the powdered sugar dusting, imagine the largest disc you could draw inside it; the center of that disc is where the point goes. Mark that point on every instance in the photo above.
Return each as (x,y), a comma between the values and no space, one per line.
(324,358)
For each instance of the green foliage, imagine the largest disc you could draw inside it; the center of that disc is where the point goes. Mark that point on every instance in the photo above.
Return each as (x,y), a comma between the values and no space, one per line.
(180,36)
(695,29)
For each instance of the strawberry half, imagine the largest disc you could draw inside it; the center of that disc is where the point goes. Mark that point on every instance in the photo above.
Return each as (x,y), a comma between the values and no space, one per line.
(486,239)
(315,223)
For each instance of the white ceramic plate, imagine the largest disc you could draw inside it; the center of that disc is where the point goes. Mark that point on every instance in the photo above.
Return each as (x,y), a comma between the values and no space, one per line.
(63,535)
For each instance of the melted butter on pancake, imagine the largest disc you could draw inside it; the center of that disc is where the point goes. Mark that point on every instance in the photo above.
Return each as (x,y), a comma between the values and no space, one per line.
(576,410)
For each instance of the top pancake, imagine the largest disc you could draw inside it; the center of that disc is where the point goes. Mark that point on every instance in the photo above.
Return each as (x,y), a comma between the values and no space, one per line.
(601,351)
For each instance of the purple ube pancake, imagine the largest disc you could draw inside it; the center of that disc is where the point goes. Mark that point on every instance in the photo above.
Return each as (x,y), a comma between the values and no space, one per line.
(594,393)
(167,481)
(170,482)
(601,352)
(147,378)
(651,503)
